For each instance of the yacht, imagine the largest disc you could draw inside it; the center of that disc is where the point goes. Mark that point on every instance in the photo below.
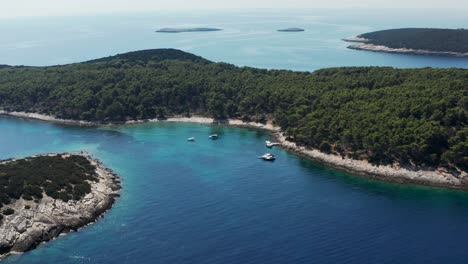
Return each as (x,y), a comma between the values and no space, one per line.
(268,157)
(191,139)
(214,136)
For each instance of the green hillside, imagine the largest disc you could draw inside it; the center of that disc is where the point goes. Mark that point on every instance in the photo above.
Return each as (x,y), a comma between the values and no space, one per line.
(413,116)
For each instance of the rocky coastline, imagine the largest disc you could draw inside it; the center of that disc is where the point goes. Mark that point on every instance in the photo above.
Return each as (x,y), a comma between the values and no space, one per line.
(437,177)
(363,44)
(33,223)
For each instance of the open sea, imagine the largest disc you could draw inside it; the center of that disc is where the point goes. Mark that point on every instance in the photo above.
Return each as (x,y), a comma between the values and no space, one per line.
(214,201)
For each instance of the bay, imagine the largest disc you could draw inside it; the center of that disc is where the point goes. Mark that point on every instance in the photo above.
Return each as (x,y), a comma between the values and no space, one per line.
(215,202)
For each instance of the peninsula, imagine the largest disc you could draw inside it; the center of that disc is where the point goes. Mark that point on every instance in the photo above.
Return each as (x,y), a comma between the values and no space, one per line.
(291,30)
(405,125)
(181,30)
(46,195)
(418,41)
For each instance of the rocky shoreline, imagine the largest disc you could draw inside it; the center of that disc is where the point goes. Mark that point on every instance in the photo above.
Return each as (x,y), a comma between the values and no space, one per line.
(364,45)
(437,177)
(26,228)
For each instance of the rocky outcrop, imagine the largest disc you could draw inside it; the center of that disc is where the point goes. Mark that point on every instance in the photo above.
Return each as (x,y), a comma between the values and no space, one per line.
(33,223)
(379,48)
(355,39)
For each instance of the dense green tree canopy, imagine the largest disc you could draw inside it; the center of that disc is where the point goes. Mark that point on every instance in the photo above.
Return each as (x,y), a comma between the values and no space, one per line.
(433,39)
(413,116)
(65,178)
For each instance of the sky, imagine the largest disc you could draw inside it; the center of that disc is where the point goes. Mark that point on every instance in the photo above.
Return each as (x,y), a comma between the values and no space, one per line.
(31,8)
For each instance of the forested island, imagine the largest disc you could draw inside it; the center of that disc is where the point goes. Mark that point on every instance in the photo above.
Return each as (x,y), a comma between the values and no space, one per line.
(181,30)
(44,196)
(291,30)
(408,118)
(424,41)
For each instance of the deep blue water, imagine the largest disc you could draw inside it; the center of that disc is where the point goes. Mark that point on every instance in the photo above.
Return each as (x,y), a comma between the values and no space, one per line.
(214,201)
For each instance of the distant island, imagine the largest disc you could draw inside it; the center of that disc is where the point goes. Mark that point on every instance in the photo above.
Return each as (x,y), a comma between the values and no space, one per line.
(395,124)
(181,30)
(291,30)
(46,195)
(420,41)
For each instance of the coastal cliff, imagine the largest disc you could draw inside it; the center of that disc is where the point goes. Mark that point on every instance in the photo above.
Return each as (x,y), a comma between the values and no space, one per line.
(33,221)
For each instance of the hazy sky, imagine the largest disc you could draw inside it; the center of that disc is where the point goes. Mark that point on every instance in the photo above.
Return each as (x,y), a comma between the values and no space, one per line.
(26,8)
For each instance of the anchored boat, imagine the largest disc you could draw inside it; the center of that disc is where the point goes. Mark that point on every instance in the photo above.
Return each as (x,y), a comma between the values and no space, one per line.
(191,139)
(214,136)
(268,157)
(269,144)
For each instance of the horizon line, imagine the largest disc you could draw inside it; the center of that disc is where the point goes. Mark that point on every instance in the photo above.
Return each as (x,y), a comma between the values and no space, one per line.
(227,9)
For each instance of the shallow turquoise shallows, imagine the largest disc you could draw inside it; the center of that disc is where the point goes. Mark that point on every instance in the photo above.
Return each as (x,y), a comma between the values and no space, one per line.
(215,202)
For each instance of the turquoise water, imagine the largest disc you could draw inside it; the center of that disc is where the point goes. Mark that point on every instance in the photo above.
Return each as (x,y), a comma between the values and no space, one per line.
(214,201)
(249,37)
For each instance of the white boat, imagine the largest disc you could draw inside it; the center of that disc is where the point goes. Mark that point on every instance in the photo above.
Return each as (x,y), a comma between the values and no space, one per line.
(214,136)
(191,139)
(269,144)
(268,157)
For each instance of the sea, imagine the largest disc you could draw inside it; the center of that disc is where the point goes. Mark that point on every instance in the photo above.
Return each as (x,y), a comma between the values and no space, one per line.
(214,201)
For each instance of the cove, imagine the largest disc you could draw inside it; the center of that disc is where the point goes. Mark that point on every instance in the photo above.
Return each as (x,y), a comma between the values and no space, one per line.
(215,202)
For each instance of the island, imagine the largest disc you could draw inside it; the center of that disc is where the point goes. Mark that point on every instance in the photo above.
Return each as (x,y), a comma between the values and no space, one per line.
(291,30)
(181,30)
(418,41)
(404,125)
(44,196)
